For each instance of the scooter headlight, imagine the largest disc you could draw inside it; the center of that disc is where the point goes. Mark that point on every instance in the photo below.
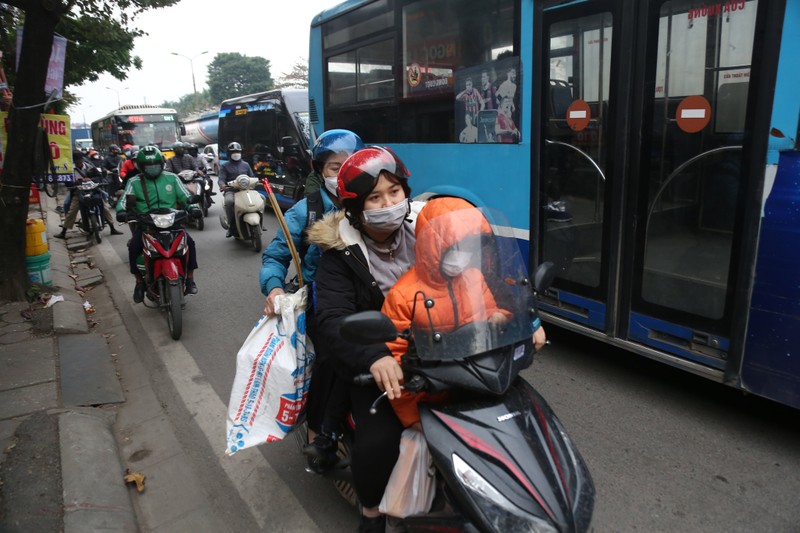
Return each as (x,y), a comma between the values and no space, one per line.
(163,221)
(498,510)
(243,182)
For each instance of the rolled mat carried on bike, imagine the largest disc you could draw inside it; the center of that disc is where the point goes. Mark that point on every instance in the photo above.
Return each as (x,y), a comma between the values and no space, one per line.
(282,221)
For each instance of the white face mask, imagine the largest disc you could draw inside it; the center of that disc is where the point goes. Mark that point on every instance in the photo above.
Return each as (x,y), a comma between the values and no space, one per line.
(386,218)
(455,262)
(236,157)
(332,185)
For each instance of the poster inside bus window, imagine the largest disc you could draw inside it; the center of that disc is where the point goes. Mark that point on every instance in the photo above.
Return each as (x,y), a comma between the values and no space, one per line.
(487,102)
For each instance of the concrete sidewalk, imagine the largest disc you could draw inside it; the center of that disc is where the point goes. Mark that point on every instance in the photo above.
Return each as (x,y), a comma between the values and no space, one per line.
(77,409)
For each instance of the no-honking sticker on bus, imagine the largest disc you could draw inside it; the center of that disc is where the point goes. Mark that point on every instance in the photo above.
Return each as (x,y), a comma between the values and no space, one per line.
(693,114)
(578,115)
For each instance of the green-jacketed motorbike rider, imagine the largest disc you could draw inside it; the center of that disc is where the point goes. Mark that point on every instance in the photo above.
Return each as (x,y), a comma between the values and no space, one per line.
(155,188)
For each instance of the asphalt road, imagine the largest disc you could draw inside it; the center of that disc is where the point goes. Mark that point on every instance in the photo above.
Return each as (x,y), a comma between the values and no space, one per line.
(668,451)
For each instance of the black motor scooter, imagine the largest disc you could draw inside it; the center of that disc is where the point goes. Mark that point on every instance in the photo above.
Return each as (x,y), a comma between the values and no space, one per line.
(503,460)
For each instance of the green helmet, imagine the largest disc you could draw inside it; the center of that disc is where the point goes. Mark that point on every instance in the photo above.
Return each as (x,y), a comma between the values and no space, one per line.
(150,162)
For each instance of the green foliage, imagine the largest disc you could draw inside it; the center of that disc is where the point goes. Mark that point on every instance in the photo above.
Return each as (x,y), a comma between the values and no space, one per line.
(233,74)
(192,104)
(101,36)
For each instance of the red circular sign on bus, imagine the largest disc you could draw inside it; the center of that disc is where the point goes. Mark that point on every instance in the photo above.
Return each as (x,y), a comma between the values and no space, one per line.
(693,114)
(578,115)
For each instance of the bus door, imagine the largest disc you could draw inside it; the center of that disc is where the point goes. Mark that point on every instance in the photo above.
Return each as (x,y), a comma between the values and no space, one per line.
(641,168)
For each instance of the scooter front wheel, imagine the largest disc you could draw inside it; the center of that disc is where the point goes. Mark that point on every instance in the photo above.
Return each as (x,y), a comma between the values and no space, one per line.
(174,294)
(97,227)
(255,231)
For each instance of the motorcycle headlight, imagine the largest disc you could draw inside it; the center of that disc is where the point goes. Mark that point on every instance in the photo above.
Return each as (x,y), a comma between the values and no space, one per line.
(498,510)
(163,221)
(243,182)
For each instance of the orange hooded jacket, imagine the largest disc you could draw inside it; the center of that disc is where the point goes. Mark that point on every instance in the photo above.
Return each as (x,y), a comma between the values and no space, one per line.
(441,224)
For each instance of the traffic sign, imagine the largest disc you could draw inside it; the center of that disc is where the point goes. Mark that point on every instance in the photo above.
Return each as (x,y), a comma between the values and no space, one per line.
(693,114)
(578,115)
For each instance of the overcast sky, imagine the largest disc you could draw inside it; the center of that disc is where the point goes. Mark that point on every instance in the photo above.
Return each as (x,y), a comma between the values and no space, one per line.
(277,31)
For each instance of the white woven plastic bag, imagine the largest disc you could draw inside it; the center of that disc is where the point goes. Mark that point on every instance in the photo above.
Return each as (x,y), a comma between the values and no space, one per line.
(273,373)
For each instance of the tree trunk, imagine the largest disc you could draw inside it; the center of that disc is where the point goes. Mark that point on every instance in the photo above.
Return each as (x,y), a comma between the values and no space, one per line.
(41,17)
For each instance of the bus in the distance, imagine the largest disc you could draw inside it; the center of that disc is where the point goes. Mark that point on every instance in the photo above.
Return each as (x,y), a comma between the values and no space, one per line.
(647,148)
(137,125)
(273,129)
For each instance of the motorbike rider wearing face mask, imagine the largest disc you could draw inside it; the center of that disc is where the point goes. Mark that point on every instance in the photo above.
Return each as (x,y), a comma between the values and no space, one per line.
(113,160)
(367,248)
(181,160)
(331,150)
(154,188)
(232,168)
(83,171)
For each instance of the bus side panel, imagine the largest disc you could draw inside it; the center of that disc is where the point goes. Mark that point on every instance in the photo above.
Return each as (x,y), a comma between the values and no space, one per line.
(771,365)
(493,178)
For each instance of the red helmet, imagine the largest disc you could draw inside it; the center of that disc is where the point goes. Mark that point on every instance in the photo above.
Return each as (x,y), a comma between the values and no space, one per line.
(360,172)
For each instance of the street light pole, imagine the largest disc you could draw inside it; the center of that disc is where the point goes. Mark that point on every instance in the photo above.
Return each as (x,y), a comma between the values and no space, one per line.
(118,91)
(191,65)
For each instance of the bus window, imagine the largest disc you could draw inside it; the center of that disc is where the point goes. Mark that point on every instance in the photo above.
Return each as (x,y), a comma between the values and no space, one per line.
(410,97)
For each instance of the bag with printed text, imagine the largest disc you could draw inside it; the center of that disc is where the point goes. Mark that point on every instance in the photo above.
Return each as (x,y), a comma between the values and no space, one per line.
(273,373)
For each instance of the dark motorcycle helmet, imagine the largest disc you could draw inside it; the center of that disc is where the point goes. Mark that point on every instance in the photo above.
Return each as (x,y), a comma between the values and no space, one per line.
(234,147)
(179,148)
(148,159)
(114,149)
(334,142)
(191,148)
(360,172)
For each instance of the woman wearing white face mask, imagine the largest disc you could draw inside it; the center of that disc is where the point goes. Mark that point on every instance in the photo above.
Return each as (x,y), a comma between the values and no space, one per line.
(368,247)
(330,151)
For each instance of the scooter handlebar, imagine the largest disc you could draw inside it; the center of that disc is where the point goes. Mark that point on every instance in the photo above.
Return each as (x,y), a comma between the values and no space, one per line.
(363,379)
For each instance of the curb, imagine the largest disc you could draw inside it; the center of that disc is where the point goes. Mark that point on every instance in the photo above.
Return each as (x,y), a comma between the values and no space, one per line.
(94,497)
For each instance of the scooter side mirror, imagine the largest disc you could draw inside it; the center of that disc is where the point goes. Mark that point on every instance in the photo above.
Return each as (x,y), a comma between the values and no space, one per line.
(544,276)
(368,327)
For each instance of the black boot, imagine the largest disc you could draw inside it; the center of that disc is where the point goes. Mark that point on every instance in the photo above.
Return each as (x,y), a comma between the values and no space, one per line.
(115,231)
(62,235)
(373,524)
(321,453)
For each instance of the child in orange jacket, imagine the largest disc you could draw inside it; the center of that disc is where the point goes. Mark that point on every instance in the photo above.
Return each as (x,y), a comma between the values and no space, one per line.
(446,275)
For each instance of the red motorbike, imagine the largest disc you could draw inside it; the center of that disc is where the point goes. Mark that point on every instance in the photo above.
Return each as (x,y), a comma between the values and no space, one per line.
(164,262)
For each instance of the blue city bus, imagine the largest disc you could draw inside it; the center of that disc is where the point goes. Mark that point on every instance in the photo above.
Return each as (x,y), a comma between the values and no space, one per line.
(273,129)
(646,147)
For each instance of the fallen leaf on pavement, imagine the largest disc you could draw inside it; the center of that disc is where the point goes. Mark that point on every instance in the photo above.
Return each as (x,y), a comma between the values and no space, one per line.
(135,477)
